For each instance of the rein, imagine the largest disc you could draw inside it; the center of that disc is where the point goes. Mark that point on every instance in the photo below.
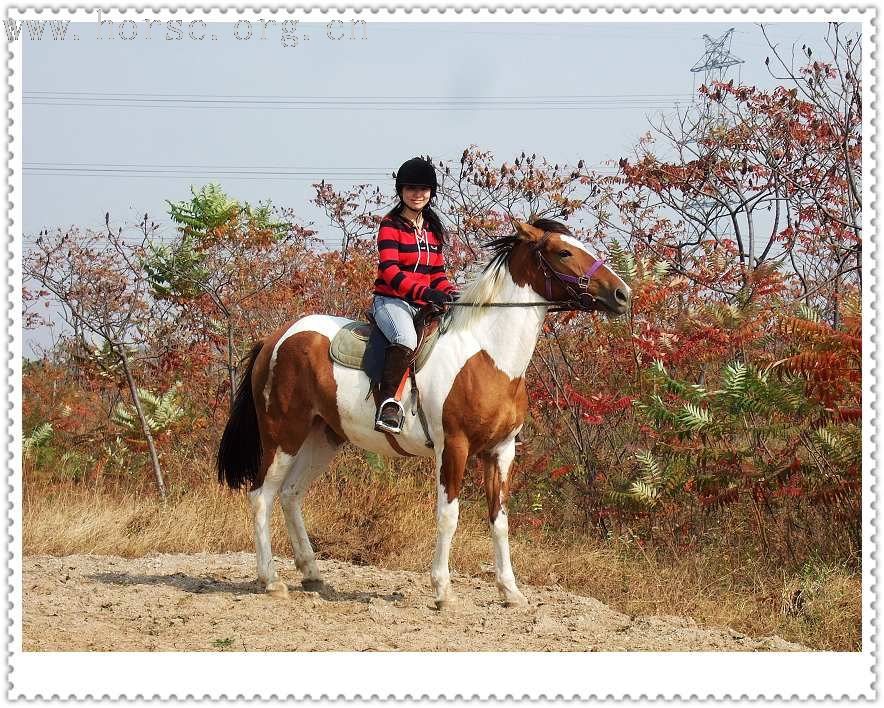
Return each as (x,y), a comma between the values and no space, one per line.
(581,299)
(558,305)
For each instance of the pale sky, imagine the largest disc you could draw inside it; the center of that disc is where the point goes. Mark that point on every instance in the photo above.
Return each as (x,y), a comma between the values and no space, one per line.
(123,125)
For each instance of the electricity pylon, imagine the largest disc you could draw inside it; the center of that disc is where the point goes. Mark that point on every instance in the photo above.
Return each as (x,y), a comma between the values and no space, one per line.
(718,58)
(716,65)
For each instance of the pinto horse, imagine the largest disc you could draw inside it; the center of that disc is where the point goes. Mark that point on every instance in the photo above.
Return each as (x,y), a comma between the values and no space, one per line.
(295,407)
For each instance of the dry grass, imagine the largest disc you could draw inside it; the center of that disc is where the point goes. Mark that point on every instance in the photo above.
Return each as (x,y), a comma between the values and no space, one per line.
(375,519)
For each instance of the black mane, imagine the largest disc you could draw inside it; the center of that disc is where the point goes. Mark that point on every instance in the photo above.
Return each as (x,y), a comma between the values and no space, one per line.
(502,248)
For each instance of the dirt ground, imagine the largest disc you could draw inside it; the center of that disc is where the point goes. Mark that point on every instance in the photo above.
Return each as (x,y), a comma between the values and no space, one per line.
(211,602)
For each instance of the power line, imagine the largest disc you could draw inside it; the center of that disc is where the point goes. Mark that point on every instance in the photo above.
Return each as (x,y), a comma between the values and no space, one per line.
(173,171)
(375,176)
(406,99)
(383,171)
(165,176)
(419,109)
(99,99)
(187,174)
(214,167)
(209,175)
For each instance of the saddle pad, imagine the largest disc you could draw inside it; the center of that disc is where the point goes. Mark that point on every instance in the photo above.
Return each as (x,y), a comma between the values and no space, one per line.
(349,344)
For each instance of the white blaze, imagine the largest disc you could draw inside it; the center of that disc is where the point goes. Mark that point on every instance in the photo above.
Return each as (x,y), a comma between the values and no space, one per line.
(571,241)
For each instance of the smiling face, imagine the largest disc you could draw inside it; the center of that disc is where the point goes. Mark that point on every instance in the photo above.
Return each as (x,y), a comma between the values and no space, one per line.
(567,256)
(415,197)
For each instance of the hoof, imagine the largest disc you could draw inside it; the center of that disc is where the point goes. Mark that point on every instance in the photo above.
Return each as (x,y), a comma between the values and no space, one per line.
(313,585)
(277,589)
(513,598)
(447,601)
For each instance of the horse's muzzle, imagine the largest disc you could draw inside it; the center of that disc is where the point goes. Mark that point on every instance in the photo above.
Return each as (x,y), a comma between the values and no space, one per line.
(616,300)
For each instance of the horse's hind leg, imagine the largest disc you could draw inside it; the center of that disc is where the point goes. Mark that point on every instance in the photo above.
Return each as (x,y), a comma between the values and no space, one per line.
(261,499)
(312,460)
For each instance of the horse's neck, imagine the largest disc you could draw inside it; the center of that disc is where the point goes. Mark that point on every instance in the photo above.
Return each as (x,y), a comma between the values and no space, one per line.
(509,334)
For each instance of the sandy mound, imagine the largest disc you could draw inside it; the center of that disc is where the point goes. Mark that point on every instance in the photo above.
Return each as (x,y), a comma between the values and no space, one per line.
(211,602)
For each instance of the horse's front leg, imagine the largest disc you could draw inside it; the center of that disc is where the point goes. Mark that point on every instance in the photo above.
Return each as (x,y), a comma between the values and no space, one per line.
(497,465)
(449,476)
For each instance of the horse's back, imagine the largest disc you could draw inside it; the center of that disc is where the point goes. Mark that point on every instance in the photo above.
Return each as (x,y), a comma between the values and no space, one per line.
(296,348)
(326,325)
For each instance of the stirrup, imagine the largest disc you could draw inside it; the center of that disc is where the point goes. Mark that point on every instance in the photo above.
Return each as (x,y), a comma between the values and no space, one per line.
(383,427)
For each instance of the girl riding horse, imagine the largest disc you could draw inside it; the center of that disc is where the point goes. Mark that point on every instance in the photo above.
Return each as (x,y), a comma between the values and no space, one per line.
(295,407)
(411,273)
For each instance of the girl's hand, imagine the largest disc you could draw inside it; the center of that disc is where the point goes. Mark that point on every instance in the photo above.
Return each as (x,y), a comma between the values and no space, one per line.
(436,297)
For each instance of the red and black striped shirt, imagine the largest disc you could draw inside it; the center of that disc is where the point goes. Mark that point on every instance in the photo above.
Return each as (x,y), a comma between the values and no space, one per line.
(409,262)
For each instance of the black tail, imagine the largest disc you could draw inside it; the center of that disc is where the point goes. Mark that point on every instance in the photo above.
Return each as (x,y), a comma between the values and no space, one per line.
(239,454)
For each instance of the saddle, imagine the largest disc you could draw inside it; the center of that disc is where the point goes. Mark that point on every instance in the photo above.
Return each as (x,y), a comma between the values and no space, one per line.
(361,345)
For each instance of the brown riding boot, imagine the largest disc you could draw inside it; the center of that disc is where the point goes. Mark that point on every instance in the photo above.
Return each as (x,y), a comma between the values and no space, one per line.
(390,413)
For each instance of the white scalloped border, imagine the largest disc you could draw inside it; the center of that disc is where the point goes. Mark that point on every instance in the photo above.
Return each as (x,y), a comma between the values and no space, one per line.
(300,663)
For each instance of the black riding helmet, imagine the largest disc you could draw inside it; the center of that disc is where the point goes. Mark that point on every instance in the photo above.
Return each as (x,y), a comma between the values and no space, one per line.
(418,172)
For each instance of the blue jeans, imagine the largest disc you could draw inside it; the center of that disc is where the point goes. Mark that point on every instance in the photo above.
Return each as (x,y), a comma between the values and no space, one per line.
(395,319)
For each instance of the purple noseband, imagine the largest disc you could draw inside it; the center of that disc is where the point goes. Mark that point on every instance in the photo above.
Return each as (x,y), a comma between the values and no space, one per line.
(582,296)
(581,282)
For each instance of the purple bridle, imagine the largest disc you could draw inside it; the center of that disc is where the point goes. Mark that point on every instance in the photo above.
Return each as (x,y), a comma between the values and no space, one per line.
(581,297)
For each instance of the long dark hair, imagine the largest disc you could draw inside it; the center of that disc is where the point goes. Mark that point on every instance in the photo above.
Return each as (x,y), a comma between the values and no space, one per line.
(431,219)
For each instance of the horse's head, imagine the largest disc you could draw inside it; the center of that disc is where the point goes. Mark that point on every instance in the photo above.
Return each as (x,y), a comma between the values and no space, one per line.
(560,268)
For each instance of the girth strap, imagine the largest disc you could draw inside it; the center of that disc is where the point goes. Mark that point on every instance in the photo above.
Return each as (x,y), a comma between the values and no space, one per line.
(420,411)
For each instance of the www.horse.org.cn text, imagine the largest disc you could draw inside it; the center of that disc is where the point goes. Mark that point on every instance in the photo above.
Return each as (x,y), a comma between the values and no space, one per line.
(289,33)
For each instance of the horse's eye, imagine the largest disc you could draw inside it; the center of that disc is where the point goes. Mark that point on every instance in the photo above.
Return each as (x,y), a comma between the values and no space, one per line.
(564,254)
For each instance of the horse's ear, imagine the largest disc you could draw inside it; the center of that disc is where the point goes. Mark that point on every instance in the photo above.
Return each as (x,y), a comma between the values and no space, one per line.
(526,232)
